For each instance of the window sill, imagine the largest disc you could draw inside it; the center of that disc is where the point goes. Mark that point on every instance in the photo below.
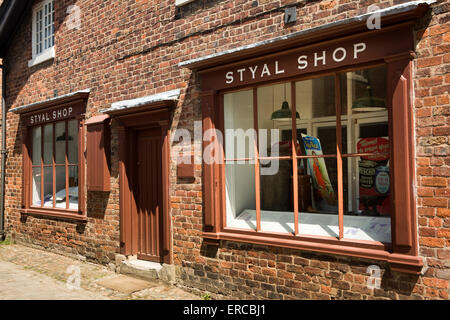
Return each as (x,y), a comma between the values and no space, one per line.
(355,248)
(45,56)
(72,215)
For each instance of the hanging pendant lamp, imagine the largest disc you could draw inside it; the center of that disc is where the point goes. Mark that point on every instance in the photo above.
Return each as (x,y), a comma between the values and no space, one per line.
(285,113)
(368,103)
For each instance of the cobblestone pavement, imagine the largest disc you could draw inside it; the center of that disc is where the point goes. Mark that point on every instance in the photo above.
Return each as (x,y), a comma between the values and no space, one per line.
(28,273)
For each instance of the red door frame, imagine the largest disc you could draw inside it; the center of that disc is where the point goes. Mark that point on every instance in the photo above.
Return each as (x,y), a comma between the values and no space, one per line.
(150,117)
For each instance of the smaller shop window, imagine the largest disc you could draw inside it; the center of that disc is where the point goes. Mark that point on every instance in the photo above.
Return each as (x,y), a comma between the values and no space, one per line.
(55,165)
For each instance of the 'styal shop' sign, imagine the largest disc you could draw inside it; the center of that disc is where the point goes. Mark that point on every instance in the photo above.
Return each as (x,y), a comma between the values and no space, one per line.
(51,115)
(354,50)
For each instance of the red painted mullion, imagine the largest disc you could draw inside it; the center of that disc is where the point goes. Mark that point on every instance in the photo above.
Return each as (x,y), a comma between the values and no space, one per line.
(294,157)
(53,164)
(257,177)
(42,166)
(339,155)
(66,159)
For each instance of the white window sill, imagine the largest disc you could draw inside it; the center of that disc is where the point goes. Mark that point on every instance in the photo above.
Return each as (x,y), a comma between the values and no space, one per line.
(355,227)
(180,3)
(45,56)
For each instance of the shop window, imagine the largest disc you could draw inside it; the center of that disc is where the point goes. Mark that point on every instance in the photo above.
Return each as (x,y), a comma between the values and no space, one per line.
(55,165)
(332,179)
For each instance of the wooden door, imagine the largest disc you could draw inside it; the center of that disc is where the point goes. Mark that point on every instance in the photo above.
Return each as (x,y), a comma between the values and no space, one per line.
(149,194)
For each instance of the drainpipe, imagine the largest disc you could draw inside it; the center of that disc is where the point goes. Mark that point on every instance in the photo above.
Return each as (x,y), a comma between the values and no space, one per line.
(3,154)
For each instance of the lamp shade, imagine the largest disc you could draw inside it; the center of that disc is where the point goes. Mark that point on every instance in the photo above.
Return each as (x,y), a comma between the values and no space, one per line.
(368,104)
(284,113)
(63,137)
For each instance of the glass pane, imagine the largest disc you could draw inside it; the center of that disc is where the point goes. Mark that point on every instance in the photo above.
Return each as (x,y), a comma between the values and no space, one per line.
(48,144)
(369,197)
(322,97)
(364,92)
(286,136)
(277,204)
(60,142)
(240,195)
(316,105)
(60,181)
(48,187)
(73,187)
(327,139)
(37,143)
(274,116)
(238,124)
(36,186)
(73,141)
(317,197)
(367,200)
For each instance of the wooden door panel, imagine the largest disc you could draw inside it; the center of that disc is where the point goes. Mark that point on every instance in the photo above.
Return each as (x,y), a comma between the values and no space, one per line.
(149,147)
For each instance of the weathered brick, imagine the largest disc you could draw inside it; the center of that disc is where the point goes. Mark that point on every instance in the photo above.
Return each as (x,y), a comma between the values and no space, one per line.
(121,63)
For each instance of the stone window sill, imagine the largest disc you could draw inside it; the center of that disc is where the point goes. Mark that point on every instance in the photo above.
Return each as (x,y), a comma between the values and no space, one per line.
(47,55)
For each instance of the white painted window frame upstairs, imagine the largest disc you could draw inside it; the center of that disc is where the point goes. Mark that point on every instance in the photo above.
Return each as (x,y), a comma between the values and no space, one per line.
(46,51)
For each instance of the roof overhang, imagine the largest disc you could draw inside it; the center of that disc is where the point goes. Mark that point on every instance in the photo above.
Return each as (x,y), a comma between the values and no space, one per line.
(153,102)
(53,102)
(392,15)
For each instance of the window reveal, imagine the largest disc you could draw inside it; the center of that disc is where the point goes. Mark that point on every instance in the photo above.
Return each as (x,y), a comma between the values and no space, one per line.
(55,165)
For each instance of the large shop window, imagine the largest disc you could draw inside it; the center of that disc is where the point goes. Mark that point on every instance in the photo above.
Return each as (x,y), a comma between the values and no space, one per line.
(318,145)
(55,165)
(337,162)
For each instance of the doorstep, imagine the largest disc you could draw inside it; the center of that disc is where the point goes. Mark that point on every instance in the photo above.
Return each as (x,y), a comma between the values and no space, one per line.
(145,270)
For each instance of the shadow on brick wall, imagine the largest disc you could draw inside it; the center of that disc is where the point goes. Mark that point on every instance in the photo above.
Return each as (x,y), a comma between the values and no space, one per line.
(97,202)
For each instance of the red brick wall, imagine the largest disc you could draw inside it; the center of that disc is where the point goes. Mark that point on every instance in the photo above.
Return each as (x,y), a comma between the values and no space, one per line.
(432,111)
(129,49)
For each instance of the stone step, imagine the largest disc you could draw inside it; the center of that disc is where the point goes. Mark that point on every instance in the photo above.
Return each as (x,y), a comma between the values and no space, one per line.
(145,270)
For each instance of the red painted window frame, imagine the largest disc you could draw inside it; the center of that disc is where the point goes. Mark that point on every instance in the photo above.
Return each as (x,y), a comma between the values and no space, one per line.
(79,104)
(53,165)
(402,254)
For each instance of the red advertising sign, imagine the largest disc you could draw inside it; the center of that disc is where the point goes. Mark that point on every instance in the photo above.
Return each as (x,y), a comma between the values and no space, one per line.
(379,146)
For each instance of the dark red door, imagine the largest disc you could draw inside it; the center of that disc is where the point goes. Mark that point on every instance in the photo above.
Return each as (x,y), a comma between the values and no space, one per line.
(149,195)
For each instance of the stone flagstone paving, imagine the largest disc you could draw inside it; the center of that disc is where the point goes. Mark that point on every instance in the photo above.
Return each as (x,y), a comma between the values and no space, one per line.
(27,273)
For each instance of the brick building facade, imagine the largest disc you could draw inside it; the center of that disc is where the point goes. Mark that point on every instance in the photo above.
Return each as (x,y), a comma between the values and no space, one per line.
(124,50)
